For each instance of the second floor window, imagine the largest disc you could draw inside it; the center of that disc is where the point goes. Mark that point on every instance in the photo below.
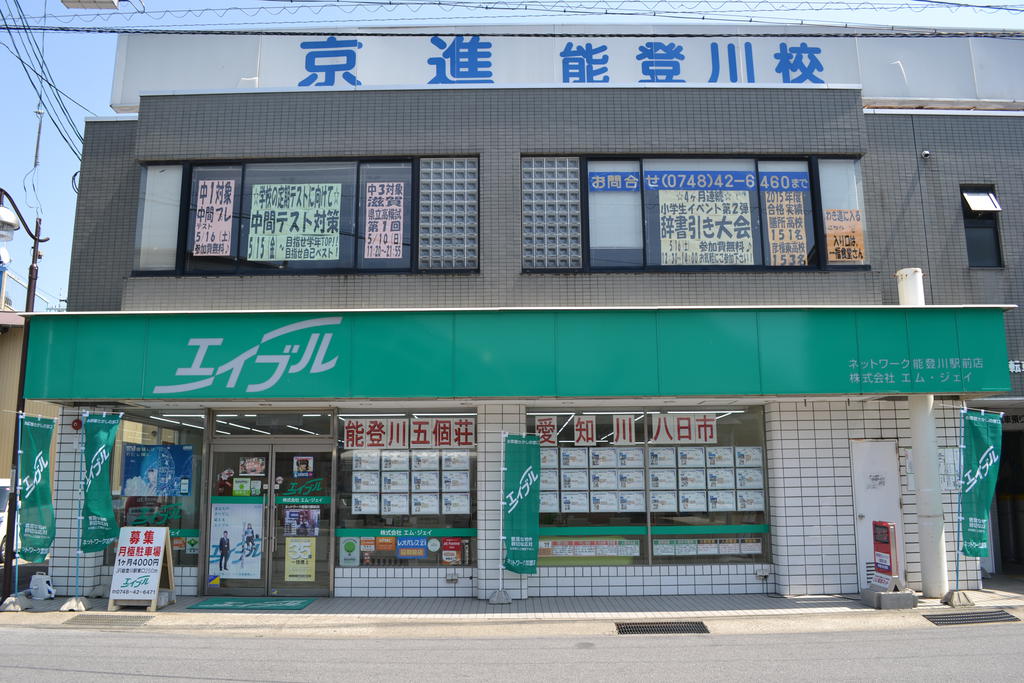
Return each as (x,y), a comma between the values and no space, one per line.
(310,217)
(671,214)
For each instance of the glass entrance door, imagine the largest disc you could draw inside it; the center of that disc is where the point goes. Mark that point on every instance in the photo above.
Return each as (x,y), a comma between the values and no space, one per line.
(239,490)
(302,522)
(270,519)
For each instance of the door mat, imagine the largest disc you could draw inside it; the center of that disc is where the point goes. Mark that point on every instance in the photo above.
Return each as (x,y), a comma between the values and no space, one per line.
(249,604)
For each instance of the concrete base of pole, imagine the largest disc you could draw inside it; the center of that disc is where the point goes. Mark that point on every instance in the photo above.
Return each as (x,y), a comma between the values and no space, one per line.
(75,605)
(500,598)
(888,599)
(19,602)
(957,599)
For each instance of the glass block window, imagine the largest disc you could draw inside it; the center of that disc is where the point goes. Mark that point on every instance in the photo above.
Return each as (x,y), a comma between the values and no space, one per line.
(448,231)
(552,227)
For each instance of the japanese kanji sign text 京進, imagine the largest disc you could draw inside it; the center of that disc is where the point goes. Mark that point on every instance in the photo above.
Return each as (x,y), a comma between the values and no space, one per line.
(427,432)
(215,213)
(461,59)
(295,222)
(385,220)
(844,235)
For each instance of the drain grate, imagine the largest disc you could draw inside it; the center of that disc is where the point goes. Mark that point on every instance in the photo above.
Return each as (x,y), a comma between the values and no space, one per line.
(993,616)
(107,621)
(654,628)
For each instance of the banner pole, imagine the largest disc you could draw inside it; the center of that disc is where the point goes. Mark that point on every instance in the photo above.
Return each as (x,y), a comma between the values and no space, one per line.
(81,500)
(17,510)
(959,503)
(76,603)
(15,601)
(500,597)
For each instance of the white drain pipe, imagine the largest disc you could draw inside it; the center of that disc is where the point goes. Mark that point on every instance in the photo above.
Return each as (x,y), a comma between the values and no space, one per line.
(930,521)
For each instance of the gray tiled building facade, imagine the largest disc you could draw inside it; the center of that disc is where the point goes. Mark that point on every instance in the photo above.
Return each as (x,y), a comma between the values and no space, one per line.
(913,218)
(912,205)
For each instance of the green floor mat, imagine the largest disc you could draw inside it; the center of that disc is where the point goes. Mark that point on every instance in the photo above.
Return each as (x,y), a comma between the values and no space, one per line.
(253,603)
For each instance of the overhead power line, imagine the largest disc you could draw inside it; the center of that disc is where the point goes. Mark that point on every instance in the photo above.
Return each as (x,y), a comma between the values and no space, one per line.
(471,31)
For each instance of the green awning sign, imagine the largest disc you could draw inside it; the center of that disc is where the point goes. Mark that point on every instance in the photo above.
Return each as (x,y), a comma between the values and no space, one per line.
(517,353)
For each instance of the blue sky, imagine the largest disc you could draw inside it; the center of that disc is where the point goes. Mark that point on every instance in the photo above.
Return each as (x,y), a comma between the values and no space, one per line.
(82,66)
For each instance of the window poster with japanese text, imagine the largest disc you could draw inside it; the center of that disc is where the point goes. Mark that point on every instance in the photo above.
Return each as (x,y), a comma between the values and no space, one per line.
(295,222)
(786,198)
(236,538)
(385,220)
(844,235)
(700,224)
(156,470)
(215,215)
(299,559)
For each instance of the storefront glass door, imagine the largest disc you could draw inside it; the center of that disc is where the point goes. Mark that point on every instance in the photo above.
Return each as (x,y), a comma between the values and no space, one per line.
(270,520)
(300,557)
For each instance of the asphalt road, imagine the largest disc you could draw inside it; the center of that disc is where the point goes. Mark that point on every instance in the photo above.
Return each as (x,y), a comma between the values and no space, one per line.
(989,652)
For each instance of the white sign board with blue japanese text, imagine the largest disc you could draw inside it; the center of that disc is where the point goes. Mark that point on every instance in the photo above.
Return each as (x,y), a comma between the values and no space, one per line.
(956,68)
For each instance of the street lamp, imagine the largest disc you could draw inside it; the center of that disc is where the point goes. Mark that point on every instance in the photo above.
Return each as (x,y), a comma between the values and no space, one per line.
(10,220)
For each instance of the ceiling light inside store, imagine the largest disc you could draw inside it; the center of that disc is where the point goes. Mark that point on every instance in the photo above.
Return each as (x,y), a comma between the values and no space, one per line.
(443,415)
(364,417)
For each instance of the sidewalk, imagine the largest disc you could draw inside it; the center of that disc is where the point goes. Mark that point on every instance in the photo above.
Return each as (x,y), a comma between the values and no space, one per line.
(432,617)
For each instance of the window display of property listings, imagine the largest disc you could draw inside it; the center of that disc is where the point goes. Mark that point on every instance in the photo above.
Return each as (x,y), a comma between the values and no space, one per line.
(652,487)
(407,491)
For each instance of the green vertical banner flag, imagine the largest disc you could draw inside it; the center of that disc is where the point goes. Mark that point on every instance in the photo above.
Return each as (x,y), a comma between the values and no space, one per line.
(99,527)
(35,515)
(983,440)
(521,503)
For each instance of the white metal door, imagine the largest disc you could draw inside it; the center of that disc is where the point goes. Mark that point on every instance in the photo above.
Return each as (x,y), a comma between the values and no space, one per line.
(876,497)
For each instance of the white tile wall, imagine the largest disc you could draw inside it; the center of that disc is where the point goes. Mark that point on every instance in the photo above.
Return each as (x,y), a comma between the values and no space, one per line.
(71,572)
(811,489)
(405,582)
(810,494)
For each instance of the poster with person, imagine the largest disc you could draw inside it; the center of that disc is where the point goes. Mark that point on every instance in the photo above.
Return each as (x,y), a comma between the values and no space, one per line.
(236,540)
(156,470)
